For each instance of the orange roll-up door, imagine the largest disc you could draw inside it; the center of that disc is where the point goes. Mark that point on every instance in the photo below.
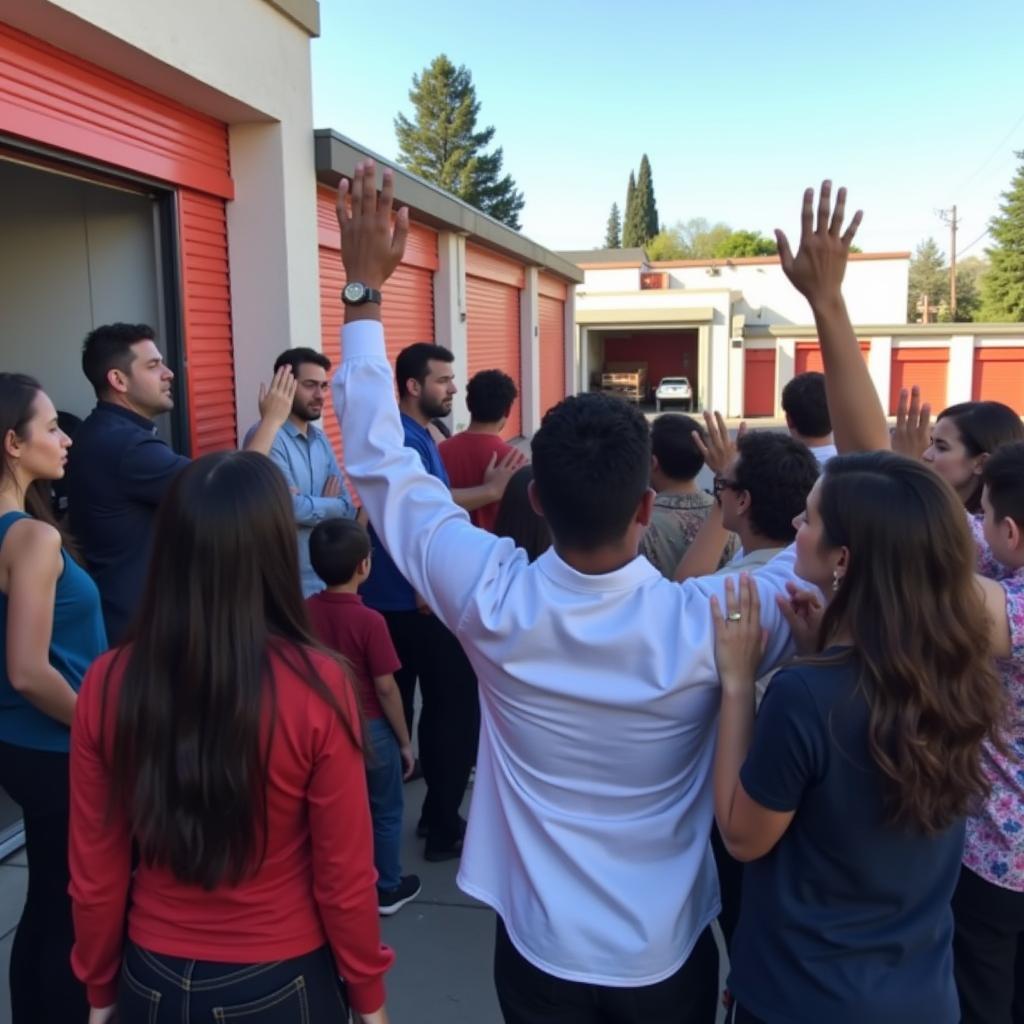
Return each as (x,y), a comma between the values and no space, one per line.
(206,305)
(493,284)
(928,368)
(61,102)
(407,301)
(809,359)
(999,376)
(759,382)
(551,316)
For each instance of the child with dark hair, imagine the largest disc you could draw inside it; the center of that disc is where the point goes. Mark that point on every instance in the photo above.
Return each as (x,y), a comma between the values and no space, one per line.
(681,507)
(339,550)
(988,905)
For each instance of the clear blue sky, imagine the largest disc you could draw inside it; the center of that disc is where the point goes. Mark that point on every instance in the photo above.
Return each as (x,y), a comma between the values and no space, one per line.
(914,105)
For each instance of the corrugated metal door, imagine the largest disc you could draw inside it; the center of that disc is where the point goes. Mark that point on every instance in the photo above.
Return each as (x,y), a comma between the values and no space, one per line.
(759,382)
(808,356)
(54,99)
(493,285)
(407,307)
(999,376)
(206,307)
(551,318)
(928,368)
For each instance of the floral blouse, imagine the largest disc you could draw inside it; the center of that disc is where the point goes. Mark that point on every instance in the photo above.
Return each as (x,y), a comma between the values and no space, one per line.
(995,837)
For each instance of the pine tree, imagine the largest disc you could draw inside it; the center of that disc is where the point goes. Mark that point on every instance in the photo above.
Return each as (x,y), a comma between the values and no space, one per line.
(632,227)
(1003,284)
(443,146)
(928,277)
(648,215)
(613,232)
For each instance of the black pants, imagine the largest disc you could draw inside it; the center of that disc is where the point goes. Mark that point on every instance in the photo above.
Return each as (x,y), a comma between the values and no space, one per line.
(988,951)
(528,995)
(741,1016)
(43,988)
(156,989)
(450,718)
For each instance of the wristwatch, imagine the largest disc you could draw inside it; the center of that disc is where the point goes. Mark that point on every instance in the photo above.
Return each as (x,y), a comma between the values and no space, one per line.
(356,294)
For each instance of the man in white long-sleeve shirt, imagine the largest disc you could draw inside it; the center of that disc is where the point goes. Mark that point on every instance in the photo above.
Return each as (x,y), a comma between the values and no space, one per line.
(588,831)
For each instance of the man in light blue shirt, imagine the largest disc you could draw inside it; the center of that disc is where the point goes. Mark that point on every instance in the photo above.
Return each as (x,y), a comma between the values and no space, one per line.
(305,456)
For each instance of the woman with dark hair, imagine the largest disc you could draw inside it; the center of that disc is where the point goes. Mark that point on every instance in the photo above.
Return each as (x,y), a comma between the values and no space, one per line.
(225,744)
(518,519)
(957,445)
(848,796)
(52,630)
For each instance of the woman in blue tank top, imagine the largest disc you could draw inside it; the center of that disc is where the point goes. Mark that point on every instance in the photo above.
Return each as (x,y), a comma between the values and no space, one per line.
(52,629)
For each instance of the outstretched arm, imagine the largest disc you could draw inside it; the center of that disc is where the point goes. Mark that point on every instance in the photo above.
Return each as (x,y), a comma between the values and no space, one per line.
(858,419)
(431,540)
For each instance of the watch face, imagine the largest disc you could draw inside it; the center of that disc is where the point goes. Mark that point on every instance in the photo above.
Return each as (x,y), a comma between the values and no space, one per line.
(354,292)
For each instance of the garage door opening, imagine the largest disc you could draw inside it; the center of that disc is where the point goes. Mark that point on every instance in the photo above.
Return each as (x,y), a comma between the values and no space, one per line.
(76,253)
(655,354)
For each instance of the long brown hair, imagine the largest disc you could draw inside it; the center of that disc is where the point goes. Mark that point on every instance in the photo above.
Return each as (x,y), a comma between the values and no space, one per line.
(920,630)
(192,734)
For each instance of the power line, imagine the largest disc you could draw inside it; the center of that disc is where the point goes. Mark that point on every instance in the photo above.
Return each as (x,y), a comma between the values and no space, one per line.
(1006,138)
(974,243)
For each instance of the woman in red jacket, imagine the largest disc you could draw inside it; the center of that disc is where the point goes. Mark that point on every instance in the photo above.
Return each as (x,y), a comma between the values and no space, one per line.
(225,744)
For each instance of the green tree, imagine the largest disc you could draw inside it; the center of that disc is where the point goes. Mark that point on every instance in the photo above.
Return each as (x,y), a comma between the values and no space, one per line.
(746,243)
(647,217)
(613,232)
(969,275)
(632,227)
(442,144)
(1003,284)
(666,245)
(928,276)
(701,239)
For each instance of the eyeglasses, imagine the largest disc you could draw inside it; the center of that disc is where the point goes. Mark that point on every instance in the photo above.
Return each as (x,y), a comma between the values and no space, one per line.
(722,484)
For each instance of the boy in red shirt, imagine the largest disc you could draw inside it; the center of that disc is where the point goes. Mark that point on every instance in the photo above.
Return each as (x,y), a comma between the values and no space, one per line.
(468,456)
(340,554)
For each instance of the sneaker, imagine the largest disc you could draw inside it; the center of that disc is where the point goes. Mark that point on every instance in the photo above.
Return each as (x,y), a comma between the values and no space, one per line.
(439,854)
(391,901)
(422,830)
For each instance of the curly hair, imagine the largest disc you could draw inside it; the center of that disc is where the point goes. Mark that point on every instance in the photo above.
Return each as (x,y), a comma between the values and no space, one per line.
(911,605)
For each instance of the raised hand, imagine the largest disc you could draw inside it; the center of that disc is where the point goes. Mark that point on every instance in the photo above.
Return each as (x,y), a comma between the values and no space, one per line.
(739,637)
(718,448)
(370,249)
(912,433)
(276,401)
(498,474)
(819,265)
(803,610)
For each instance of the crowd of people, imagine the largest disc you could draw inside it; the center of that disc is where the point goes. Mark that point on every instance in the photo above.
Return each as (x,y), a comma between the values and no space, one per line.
(794,705)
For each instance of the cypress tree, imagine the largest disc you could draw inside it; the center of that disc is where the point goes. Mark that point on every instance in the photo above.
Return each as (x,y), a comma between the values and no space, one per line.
(647,216)
(613,232)
(632,227)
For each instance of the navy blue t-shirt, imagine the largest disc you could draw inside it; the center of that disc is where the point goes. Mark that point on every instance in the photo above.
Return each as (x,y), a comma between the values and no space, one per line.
(847,920)
(386,589)
(118,471)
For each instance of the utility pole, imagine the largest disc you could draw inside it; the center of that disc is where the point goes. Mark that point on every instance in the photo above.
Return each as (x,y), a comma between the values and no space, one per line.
(949,217)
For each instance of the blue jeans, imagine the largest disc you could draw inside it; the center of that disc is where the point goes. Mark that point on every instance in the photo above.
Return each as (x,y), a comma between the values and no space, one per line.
(384,784)
(157,989)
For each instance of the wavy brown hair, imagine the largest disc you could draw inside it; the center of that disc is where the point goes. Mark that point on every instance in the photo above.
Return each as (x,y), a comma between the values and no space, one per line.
(920,631)
(194,717)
